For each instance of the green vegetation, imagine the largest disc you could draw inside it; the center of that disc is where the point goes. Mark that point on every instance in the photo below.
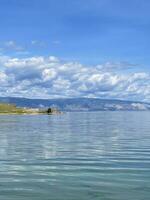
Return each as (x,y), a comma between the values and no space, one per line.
(12,109)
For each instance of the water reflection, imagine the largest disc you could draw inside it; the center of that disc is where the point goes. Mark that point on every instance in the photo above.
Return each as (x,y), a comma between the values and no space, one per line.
(101,155)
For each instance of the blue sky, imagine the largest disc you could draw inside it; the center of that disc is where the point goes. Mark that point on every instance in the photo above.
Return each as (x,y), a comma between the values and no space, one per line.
(90,32)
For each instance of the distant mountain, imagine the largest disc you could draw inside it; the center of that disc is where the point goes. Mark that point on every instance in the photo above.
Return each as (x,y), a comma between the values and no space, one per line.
(78,104)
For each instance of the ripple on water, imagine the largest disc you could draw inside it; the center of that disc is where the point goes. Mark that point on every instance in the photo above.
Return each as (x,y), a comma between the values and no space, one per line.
(98,156)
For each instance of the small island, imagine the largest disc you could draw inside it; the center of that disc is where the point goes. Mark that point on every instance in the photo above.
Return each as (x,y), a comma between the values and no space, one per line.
(13,109)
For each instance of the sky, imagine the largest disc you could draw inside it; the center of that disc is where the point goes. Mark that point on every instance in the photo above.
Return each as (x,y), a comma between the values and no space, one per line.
(75,48)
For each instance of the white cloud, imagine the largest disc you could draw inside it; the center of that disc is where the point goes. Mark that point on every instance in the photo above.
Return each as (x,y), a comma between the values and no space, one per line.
(3,78)
(38,43)
(48,77)
(12,45)
(48,74)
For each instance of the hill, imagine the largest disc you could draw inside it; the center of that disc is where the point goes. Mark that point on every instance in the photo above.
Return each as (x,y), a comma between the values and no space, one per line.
(77,104)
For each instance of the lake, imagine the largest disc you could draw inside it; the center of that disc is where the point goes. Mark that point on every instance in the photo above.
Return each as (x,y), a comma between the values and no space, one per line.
(75,156)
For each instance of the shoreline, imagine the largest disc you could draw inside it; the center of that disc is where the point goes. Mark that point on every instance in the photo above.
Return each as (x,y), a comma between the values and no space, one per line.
(11,109)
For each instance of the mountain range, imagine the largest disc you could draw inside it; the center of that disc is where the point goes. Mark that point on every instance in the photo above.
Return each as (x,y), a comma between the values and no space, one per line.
(78,104)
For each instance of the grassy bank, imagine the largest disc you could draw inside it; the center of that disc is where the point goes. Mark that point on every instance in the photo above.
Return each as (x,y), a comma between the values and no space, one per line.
(12,109)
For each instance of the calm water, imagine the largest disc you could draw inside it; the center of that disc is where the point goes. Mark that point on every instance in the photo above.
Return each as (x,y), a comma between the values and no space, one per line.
(75,156)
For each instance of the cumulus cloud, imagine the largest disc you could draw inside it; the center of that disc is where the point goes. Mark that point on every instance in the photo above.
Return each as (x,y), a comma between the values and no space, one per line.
(110,66)
(49,77)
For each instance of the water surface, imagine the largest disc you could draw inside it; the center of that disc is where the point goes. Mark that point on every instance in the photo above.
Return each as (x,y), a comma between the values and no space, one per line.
(75,156)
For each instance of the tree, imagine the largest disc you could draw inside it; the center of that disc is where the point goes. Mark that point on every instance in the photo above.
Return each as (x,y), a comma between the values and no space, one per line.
(49,111)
